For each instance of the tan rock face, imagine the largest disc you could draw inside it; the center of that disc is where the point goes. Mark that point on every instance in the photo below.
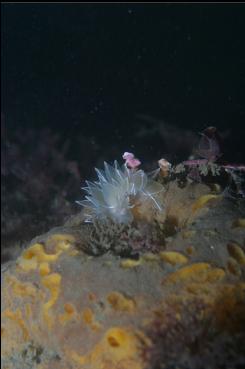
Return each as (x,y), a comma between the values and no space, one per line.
(64,309)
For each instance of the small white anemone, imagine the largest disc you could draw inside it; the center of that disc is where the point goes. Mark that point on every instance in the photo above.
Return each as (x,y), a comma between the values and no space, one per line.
(116,192)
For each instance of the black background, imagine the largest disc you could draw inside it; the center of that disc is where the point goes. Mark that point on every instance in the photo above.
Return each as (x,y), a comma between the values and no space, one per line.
(89,69)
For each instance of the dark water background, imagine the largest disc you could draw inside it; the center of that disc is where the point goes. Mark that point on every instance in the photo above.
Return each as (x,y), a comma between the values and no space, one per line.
(82,83)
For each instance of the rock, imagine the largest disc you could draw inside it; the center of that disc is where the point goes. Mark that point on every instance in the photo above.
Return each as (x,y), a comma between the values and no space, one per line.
(62,308)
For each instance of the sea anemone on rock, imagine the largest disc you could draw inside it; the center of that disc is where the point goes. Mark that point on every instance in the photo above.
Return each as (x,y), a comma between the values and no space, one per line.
(117,192)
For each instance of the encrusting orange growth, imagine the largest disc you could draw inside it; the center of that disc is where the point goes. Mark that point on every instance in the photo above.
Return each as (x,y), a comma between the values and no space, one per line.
(199,203)
(60,242)
(37,251)
(197,272)
(233,267)
(88,318)
(173,257)
(121,303)
(236,252)
(119,346)
(118,337)
(36,255)
(16,316)
(70,313)
(92,296)
(23,289)
(52,282)
(130,263)
(44,269)
(69,309)
(149,256)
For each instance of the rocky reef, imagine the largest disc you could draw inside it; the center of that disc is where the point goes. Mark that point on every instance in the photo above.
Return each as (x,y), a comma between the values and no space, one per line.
(181,305)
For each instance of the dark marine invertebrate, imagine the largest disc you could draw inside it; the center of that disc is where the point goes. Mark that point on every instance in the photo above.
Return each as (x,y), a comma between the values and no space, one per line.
(186,335)
(122,239)
(208,167)
(209,146)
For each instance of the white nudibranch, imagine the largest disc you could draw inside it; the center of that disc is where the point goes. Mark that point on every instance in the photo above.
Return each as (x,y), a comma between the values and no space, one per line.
(117,192)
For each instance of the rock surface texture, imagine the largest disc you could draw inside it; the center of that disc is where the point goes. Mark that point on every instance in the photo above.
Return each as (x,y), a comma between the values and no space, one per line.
(183,306)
